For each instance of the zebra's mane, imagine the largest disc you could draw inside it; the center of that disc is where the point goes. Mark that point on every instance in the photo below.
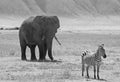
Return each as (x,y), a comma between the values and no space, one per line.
(97,56)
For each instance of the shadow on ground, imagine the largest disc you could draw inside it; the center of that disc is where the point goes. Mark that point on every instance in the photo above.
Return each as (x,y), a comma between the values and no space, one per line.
(54,61)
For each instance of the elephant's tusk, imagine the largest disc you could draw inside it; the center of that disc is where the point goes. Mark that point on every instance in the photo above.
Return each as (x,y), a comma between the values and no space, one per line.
(57,40)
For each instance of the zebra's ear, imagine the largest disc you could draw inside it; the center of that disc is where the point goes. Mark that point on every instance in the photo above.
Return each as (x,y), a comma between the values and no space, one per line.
(102,45)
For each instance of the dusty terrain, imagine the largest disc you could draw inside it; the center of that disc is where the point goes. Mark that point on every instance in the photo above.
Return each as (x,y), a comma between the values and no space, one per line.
(93,22)
(68,66)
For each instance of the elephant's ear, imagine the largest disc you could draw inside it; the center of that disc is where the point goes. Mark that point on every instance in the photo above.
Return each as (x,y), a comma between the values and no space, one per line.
(57,22)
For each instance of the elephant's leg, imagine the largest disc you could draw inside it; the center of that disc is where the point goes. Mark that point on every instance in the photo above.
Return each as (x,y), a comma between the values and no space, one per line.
(23,51)
(50,54)
(49,46)
(45,49)
(41,52)
(32,48)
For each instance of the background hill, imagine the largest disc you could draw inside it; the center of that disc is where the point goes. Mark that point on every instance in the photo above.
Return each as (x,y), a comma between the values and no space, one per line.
(80,9)
(60,7)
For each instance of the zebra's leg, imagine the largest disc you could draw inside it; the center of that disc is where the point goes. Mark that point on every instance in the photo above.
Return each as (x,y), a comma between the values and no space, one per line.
(94,72)
(98,67)
(87,68)
(83,69)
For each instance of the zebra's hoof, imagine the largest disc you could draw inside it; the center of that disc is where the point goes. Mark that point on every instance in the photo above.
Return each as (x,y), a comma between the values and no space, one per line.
(87,76)
(98,77)
(94,77)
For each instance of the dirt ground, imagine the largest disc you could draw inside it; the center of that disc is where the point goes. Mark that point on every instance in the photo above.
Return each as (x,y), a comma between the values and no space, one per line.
(68,56)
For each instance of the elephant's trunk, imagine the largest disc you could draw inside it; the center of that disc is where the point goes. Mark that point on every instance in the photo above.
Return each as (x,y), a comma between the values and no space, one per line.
(57,41)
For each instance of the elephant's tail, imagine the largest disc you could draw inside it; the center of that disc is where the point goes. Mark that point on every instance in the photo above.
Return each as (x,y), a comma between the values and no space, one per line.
(57,41)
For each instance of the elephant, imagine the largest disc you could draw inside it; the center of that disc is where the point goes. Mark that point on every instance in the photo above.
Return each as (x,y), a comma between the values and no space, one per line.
(38,31)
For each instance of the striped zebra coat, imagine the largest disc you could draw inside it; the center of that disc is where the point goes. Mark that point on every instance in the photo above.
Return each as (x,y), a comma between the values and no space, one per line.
(93,60)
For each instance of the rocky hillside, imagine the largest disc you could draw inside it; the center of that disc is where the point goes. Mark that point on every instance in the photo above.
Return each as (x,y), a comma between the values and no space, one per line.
(60,7)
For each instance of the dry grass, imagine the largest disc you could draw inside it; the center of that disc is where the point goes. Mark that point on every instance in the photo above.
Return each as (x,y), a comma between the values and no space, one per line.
(12,69)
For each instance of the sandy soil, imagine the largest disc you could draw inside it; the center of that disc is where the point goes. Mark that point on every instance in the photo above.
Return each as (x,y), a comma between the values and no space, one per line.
(68,66)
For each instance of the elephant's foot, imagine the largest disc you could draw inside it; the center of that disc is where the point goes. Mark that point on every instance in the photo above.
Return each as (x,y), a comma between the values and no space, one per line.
(33,59)
(55,60)
(24,59)
(52,59)
(42,59)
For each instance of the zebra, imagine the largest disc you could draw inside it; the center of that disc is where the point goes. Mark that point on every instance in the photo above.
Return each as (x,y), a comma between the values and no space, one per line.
(93,60)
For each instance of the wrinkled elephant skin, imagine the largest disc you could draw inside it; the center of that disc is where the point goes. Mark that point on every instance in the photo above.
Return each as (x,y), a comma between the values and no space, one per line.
(38,31)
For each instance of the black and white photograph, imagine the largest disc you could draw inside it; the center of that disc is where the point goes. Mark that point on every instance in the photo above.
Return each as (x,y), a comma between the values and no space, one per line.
(59,40)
